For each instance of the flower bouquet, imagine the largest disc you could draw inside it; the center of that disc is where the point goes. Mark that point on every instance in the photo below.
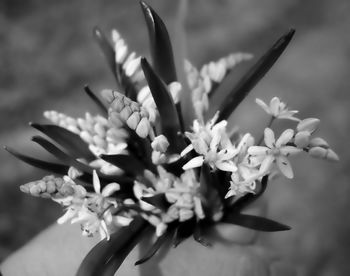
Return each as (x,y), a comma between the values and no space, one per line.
(159,157)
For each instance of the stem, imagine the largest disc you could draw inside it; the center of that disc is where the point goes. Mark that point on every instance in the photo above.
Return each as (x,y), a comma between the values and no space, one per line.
(268,126)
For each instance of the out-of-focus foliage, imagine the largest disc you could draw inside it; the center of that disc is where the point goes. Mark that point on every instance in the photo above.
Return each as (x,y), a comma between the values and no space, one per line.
(47,55)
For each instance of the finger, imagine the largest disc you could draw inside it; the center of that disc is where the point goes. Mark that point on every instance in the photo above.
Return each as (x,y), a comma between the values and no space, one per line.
(59,250)
(282,269)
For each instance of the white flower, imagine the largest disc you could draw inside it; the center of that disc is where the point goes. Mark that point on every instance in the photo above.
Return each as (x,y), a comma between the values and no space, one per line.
(278,109)
(101,199)
(92,222)
(212,144)
(275,151)
(244,179)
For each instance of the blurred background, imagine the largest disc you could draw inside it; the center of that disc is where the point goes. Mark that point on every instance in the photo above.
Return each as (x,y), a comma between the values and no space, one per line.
(47,54)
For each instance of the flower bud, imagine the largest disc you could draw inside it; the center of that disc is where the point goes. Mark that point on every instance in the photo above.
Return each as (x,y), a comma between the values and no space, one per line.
(302,139)
(332,156)
(309,124)
(143,128)
(318,152)
(125,113)
(319,142)
(160,143)
(133,120)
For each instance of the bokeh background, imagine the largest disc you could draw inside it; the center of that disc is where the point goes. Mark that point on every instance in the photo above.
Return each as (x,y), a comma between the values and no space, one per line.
(47,54)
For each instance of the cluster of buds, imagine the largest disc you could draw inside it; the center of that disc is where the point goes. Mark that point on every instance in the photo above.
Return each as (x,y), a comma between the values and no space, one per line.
(130,112)
(317,146)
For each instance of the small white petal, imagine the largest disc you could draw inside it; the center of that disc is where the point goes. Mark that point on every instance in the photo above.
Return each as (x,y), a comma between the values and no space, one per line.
(186,150)
(67,216)
(285,137)
(96,182)
(110,189)
(269,137)
(194,163)
(284,165)
(263,105)
(275,106)
(258,150)
(266,164)
(226,166)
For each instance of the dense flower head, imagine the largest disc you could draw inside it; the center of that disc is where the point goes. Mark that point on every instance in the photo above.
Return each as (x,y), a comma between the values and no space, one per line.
(159,154)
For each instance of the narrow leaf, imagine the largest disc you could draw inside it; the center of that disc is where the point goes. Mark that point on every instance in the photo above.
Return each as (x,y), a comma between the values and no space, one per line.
(96,100)
(198,235)
(185,107)
(158,200)
(127,163)
(184,230)
(161,49)
(107,50)
(93,264)
(255,222)
(252,77)
(154,248)
(169,119)
(58,153)
(211,200)
(44,165)
(72,142)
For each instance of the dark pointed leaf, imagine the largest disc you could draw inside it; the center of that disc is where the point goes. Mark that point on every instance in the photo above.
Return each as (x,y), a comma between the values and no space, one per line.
(185,107)
(107,50)
(154,248)
(158,200)
(184,230)
(44,165)
(96,100)
(198,235)
(58,153)
(253,76)
(161,50)
(169,119)
(116,249)
(255,222)
(127,163)
(72,142)
(211,201)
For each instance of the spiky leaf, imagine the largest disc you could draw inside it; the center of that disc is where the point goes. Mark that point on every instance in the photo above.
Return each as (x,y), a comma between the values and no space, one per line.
(44,165)
(115,250)
(161,50)
(72,142)
(211,200)
(252,77)
(154,248)
(183,231)
(107,50)
(96,100)
(169,119)
(127,163)
(64,157)
(158,200)
(255,222)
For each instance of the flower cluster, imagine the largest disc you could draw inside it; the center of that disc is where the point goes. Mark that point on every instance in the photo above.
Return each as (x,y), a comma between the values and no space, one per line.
(147,162)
